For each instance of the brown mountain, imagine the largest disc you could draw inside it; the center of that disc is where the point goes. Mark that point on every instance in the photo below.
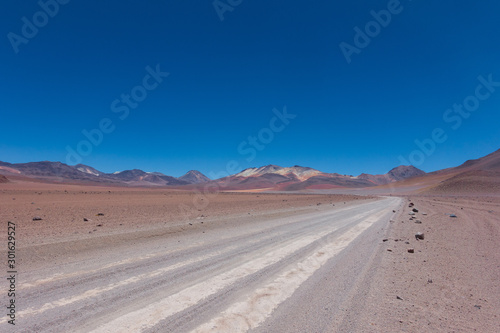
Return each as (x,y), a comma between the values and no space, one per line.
(401,172)
(481,175)
(194,177)
(60,172)
(300,178)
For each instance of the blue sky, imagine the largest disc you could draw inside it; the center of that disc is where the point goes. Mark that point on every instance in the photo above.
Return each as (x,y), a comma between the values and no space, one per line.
(226,77)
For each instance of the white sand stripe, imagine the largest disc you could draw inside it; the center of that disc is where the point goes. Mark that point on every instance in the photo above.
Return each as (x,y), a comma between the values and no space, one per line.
(151,315)
(252,311)
(94,292)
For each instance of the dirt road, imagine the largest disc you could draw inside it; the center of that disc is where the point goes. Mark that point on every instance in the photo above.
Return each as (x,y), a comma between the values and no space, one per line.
(293,273)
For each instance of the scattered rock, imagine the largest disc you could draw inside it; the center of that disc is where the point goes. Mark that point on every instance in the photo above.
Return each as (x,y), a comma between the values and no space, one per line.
(99,225)
(477,307)
(415,210)
(384,240)
(418,221)
(407,242)
(453,215)
(411,204)
(424,213)
(419,235)
(190,224)
(411,213)
(411,250)
(397,297)
(389,250)
(85,219)
(99,214)
(393,211)
(429,280)
(37,218)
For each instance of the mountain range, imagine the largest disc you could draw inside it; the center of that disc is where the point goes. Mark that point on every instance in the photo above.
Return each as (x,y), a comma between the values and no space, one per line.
(481,173)
(270,176)
(63,173)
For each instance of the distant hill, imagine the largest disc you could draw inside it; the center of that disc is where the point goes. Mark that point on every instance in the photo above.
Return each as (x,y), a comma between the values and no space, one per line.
(60,172)
(300,178)
(401,172)
(194,177)
(481,175)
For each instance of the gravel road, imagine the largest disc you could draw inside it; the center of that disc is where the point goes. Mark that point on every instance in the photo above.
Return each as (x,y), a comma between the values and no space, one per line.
(300,273)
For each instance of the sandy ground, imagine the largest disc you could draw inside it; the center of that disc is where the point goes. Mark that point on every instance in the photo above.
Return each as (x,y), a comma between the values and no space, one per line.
(63,209)
(451,281)
(130,216)
(449,284)
(177,276)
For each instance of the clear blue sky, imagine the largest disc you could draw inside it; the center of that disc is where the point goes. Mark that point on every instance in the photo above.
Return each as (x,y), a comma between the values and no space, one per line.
(226,77)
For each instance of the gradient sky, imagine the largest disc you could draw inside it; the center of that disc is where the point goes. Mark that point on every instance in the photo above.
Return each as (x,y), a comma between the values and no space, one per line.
(227,76)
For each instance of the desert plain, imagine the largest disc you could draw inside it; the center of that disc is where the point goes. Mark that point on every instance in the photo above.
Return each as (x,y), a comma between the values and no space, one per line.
(116,259)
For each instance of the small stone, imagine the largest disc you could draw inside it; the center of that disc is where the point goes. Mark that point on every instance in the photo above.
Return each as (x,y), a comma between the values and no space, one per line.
(99,214)
(397,297)
(477,307)
(389,250)
(418,221)
(85,219)
(393,211)
(99,225)
(419,235)
(37,218)
(415,210)
(384,240)
(411,250)
(453,215)
(429,280)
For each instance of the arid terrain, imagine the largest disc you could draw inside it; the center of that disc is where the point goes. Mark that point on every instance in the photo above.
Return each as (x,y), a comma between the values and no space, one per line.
(130,259)
(450,282)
